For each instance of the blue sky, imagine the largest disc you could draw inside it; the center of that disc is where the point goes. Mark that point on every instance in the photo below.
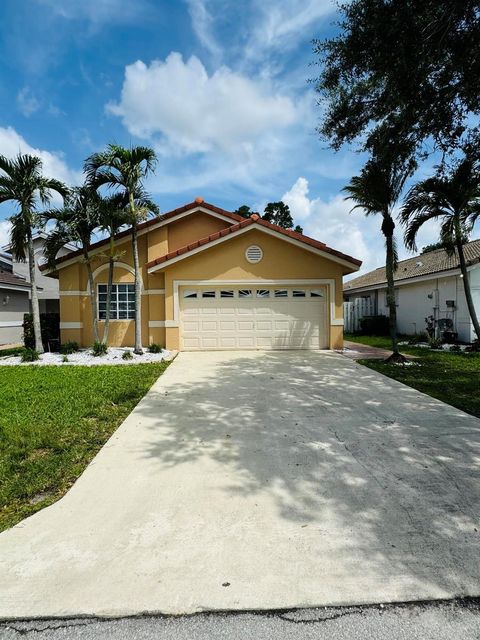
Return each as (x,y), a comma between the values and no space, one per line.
(219,89)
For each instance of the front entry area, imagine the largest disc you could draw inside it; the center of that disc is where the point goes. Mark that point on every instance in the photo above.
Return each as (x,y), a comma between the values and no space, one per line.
(253,317)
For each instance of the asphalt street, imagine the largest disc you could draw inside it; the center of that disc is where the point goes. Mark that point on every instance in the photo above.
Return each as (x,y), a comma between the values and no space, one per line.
(456,620)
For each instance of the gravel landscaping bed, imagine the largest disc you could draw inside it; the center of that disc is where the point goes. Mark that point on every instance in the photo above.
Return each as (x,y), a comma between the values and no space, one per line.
(84,357)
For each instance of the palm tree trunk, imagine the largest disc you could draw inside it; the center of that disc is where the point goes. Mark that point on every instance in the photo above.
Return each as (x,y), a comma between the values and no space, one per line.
(37,329)
(106,328)
(138,282)
(392,307)
(93,297)
(466,282)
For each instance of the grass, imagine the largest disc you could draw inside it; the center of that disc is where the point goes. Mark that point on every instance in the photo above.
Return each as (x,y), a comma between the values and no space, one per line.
(453,378)
(53,420)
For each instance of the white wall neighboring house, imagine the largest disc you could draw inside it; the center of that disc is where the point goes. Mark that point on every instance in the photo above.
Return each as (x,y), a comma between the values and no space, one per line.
(15,290)
(428,284)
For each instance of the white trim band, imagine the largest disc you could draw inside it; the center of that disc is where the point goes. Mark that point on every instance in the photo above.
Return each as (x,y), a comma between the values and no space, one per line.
(160,324)
(71,325)
(11,323)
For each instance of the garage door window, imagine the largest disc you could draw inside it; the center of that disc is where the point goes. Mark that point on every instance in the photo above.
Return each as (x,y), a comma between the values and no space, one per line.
(299,293)
(208,294)
(189,294)
(263,293)
(226,293)
(245,293)
(315,293)
(281,293)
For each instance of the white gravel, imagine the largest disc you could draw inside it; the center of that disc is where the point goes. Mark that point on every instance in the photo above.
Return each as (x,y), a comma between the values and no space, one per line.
(84,357)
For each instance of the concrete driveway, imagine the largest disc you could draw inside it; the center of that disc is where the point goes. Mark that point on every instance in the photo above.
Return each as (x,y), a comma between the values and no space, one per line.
(256,481)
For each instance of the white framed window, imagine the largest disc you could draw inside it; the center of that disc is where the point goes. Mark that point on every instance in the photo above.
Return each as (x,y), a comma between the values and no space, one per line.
(299,293)
(245,293)
(263,293)
(122,303)
(190,293)
(281,293)
(226,293)
(316,293)
(208,294)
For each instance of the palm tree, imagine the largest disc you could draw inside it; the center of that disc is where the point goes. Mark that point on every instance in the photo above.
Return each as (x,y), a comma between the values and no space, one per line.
(454,200)
(376,190)
(124,171)
(75,223)
(22,182)
(111,218)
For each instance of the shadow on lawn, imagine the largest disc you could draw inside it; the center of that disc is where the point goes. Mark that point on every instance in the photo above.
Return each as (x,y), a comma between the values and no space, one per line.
(339,447)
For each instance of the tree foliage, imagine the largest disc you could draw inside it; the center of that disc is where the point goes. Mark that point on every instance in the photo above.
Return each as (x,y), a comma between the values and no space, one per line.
(402,72)
(275,212)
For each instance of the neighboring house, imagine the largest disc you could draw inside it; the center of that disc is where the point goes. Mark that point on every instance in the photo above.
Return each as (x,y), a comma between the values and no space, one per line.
(426,285)
(14,302)
(212,280)
(48,295)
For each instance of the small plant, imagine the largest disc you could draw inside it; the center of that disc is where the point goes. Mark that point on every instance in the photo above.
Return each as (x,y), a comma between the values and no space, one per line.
(30,355)
(99,349)
(455,347)
(127,355)
(69,347)
(155,348)
(419,337)
(65,358)
(435,343)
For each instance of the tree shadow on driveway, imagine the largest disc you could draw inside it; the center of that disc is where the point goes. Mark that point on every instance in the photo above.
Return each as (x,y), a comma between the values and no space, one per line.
(386,477)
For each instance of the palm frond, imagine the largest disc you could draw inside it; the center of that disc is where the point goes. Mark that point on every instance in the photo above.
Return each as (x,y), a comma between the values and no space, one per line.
(19,234)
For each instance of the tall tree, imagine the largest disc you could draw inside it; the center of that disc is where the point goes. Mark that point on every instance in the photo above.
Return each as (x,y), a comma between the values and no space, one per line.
(245,211)
(402,71)
(278,213)
(453,200)
(22,182)
(377,190)
(112,216)
(124,171)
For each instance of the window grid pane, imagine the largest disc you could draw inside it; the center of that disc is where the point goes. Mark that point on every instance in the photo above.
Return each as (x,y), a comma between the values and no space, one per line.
(122,303)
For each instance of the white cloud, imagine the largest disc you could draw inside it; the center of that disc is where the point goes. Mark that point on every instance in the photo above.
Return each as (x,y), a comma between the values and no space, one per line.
(187,111)
(4,232)
(97,12)
(202,25)
(281,25)
(54,165)
(27,102)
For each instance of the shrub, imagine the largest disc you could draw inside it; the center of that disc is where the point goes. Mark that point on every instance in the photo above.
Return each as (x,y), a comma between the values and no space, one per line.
(99,349)
(435,343)
(65,358)
(50,327)
(69,347)
(419,337)
(374,326)
(127,355)
(455,347)
(155,348)
(30,355)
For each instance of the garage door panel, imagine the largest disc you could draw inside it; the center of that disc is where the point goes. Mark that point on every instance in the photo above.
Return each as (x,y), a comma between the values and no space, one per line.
(253,322)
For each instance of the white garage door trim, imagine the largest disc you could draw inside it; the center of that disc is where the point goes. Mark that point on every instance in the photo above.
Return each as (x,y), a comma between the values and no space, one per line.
(329,282)
(253,317)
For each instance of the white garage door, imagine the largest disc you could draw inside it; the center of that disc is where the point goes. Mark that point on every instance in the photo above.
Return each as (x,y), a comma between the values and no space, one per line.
(253,318)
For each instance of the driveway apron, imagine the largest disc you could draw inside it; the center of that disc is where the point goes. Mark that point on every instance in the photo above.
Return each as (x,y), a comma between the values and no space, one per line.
(259,480)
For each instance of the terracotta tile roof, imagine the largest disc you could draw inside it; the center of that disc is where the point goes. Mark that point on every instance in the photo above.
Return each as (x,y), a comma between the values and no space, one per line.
(246,222)
(6,277)
(422,265)
(148,223)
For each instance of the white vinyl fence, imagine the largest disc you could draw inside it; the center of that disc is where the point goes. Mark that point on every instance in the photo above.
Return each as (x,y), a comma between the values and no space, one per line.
(354,311)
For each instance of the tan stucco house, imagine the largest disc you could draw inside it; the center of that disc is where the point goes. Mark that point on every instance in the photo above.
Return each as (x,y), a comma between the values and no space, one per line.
(212,280)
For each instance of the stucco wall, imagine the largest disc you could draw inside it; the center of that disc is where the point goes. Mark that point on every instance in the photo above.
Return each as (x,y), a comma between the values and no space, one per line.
(13,306)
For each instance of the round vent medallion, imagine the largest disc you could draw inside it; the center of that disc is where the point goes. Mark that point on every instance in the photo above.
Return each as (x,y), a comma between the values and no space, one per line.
(254,254)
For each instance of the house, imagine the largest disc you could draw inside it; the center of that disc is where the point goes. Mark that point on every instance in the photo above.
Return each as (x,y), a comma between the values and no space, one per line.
(426,285)
(212,280)
(48,296)
(14,302)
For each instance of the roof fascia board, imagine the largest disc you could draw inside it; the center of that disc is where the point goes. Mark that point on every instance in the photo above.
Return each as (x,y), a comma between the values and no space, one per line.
(398,283)
(251,227)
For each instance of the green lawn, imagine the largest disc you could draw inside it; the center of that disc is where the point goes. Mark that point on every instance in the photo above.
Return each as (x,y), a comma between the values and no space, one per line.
(53,420)
(451,377)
